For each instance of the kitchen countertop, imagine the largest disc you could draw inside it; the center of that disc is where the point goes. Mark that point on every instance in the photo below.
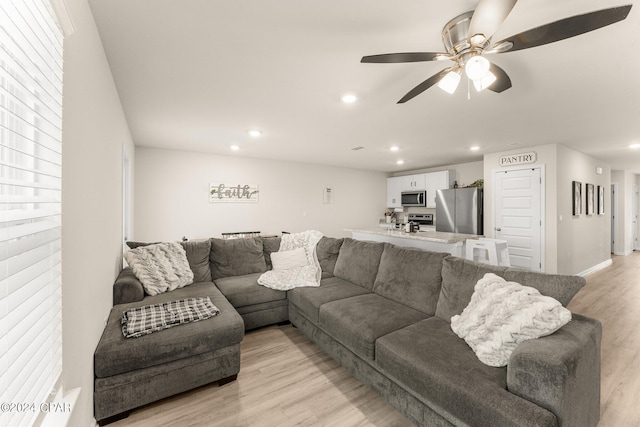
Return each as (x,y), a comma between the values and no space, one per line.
(428,236)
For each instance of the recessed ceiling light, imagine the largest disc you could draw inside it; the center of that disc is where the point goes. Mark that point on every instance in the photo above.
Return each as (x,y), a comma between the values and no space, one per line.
(400,162)
(349,98)
(255,133)
(394,148)
(474,148)
(635,146)
(234,148)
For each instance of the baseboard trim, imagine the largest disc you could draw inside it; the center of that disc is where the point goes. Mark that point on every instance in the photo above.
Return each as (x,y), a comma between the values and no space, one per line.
(603,264)
(624,253)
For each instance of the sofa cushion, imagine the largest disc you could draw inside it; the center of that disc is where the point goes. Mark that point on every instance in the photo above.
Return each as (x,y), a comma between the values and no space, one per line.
(244,290)
(270,244)
(358,262)
(116,354)
(411,277)
(309,299)
(198,257)
(357,322)
(442,371)
(459,276)
(236,257)
(328,249)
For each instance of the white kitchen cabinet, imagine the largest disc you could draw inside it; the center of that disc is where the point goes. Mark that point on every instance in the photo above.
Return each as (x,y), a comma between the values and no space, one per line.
(435,181)
(431,182)
(394,191)
(414,182)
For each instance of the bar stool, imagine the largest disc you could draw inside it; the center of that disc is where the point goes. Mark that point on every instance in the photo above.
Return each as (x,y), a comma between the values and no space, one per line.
(502,250)
(497,251)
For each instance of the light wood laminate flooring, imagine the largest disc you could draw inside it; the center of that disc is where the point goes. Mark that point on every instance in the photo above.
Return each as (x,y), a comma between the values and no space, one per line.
(285,380)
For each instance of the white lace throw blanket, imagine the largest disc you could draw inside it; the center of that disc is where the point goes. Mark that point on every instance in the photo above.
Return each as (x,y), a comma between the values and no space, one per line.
(308,274)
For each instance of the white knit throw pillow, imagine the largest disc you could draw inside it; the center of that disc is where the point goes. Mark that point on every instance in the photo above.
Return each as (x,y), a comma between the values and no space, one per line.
(503,314)
(160,267)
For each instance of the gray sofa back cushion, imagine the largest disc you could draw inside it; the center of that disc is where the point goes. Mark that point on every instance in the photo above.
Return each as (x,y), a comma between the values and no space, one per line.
(236,257)
(358,262)
(270,244)
(459,277)
(328,249)
(198,257)
(411,277)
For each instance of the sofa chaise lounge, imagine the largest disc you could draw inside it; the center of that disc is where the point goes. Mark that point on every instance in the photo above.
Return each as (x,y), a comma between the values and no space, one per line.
(382,312)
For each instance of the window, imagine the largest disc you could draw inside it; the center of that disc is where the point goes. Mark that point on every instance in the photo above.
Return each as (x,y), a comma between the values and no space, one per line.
(30,206)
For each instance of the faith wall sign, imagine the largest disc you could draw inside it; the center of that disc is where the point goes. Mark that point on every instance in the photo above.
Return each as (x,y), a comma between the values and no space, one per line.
(233,193)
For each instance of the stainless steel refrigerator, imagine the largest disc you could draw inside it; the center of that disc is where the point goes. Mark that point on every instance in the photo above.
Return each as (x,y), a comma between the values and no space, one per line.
(459,211)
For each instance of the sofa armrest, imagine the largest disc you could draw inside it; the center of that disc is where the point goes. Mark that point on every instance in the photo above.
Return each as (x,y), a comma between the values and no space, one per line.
(127,288)
(561,372)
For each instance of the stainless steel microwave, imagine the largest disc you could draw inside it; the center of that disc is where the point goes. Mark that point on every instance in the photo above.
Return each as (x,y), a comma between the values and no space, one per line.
(414,198)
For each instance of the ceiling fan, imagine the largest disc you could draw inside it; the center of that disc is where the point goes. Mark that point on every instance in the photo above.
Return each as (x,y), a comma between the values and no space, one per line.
(467,39)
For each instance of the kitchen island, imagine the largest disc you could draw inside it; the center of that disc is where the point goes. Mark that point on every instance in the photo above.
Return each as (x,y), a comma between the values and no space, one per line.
(435,241)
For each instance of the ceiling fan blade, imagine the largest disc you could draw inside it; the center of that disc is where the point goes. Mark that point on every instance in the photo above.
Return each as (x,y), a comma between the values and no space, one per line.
(488,16)
(502,83)
(424,85)
(566,28)
(403,57)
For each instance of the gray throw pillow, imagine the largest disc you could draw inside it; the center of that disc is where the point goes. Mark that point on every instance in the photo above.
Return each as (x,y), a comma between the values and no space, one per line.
(459,277)
(236,257)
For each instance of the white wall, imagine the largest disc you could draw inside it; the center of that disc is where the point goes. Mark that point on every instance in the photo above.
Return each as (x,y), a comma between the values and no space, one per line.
(584,241)
(172,196)
(624,239)
(93,133)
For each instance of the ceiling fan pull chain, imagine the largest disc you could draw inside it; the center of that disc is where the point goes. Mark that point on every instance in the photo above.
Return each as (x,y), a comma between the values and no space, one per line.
(468,90)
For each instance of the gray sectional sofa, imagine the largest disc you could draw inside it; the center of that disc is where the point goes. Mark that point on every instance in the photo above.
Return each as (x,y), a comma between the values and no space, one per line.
(383,312)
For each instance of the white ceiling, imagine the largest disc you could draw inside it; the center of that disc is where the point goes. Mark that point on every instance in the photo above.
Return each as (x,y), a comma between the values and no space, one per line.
(198,74)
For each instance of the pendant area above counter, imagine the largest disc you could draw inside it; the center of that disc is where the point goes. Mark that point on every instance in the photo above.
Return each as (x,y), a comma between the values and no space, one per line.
(434,241)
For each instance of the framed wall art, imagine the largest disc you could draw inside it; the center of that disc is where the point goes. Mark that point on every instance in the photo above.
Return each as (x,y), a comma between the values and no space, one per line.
(591,201)
(600,199)
(577,197)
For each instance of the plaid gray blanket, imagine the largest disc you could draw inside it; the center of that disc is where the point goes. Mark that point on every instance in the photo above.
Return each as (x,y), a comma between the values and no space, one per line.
(140,321)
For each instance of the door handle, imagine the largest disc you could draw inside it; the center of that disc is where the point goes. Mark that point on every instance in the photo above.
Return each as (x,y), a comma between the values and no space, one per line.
(498,229)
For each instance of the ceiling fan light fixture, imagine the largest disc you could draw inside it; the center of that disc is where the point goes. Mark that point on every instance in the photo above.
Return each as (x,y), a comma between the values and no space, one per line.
(484,82)
(450,81)
(478,39)
(477,67)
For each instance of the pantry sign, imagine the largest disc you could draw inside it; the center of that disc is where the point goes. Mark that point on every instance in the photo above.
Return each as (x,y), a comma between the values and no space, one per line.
(518,159)
(233,193)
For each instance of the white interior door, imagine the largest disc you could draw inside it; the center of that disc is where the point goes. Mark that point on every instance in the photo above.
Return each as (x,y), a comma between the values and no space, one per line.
(518,215)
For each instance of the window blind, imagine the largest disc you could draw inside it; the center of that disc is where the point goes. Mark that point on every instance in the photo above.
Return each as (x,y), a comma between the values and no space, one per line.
(30,207)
